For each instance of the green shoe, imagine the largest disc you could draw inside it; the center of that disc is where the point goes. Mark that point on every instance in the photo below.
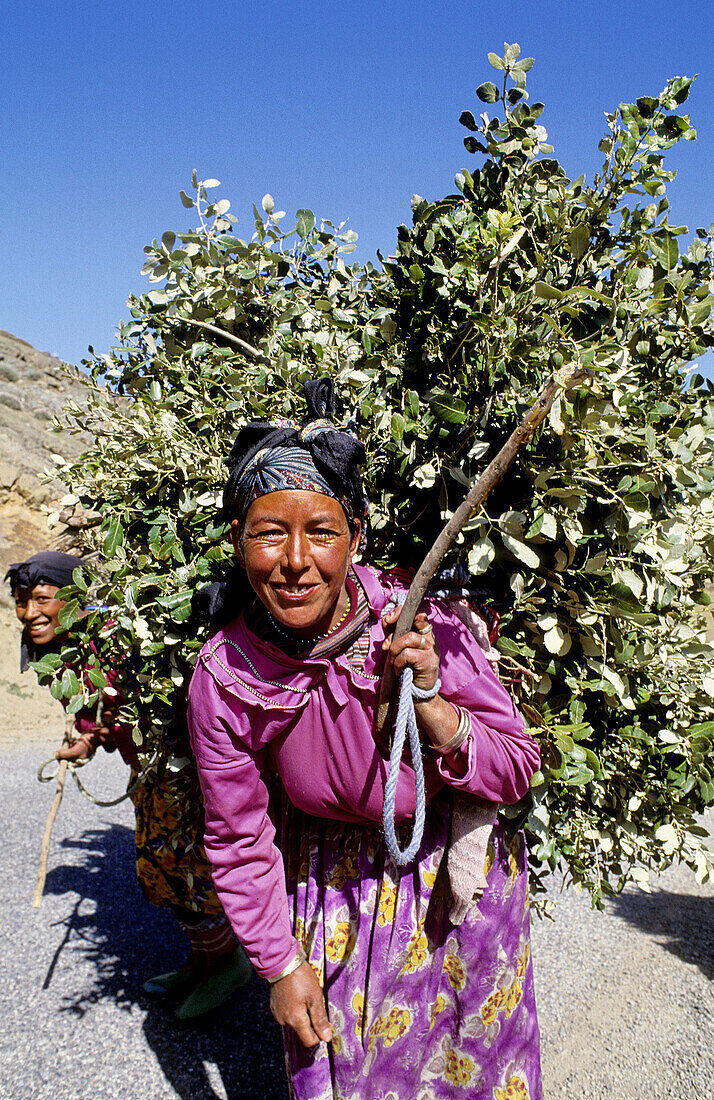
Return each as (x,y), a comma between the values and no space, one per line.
(223,980)
(173,984)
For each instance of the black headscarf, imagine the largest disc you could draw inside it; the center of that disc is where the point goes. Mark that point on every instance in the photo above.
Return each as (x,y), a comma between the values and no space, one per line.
(47,567)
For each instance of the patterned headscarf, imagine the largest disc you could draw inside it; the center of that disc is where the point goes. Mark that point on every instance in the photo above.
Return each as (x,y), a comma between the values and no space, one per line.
(269,456)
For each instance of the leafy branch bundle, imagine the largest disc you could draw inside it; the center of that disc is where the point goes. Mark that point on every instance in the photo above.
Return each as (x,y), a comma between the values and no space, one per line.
(596,549)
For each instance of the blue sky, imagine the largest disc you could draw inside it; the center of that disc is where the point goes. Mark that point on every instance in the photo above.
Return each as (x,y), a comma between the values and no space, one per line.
(346,108)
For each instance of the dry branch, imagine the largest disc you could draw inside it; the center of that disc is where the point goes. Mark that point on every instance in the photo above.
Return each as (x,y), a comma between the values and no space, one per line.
(475,497)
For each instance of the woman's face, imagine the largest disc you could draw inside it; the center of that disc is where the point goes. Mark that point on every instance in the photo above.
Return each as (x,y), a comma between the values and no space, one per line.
(38,609)
(296,548)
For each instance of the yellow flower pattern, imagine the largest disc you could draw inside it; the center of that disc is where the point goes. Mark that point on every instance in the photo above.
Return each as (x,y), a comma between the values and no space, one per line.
(390,1027)
(405,1007)
(455,972)
(437,1008)
(513,853)
(503,1000)
(515,1089)
(387,905)
(416,952)
(458,1070)
(341,943)
(344,871)
(358,1006)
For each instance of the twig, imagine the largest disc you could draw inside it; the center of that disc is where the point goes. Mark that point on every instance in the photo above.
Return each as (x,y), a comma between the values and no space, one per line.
(474,499)
(248,348)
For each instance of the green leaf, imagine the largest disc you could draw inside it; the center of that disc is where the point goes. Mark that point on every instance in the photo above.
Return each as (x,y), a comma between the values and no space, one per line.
(495,61)
(187,202)
(467,119)
(480,556)
(70,683)
(305,223)
(666,251)
(230,244)
(487,92)
(69,614)
(578,240)
(521,550)
(97,678)
(114,537)
(549,293)
(268,203)
(448,408)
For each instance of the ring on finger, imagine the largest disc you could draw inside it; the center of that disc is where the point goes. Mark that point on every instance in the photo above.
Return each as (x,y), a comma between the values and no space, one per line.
(428,629)
(422,642)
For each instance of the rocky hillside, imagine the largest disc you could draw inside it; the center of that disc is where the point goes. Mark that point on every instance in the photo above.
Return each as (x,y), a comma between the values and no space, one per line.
(33,388)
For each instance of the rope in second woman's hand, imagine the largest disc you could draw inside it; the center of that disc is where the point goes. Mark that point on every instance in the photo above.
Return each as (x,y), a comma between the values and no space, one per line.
(104,803)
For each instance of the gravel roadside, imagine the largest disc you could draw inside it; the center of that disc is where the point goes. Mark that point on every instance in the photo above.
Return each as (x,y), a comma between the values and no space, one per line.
(626,998)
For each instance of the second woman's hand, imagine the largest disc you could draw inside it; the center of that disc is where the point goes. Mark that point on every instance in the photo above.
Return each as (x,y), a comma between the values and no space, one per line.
(297,1001)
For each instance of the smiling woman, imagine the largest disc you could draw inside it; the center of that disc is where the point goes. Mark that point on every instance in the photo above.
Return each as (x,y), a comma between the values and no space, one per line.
(38,610)
(296,556)
(380,993)
(171,867)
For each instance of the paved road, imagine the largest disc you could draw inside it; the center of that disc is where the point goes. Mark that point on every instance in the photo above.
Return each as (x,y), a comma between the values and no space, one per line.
(626,1000)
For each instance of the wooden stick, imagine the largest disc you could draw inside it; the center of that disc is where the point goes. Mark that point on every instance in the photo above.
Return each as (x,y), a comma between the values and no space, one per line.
(45,849)
(475,497)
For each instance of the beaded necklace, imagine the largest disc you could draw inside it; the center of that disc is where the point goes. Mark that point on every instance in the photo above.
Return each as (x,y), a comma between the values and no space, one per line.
(307,642)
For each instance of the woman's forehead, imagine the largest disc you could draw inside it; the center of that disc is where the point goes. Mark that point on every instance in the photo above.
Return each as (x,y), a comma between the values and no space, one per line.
(25,593)
(295,505)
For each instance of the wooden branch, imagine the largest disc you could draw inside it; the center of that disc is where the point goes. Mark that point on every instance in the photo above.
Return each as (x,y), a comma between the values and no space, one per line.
(241,344)
(45,849)
(475,497)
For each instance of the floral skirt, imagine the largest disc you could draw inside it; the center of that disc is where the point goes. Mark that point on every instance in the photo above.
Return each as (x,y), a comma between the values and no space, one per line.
(171,864)
(420,1008)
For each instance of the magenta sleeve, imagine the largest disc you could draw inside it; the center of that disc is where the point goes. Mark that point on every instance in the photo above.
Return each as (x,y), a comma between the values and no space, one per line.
(499,755)
(240,836)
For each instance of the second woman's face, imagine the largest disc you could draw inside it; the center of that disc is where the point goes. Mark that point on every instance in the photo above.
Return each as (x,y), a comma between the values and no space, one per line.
(38,610)
(296,548)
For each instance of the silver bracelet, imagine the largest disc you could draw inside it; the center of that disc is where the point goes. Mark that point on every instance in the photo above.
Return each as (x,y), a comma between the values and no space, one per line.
(422,694)
(462,731)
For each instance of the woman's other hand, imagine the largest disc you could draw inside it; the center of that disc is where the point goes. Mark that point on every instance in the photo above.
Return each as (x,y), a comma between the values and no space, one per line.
(417,649)
(297,1001)
(80,749)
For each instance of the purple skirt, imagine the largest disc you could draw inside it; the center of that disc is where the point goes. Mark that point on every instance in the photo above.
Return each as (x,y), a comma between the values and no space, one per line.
(420,1008)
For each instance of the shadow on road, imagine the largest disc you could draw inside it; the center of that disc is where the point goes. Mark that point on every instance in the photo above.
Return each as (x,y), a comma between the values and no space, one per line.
(682,923)
(235,1052)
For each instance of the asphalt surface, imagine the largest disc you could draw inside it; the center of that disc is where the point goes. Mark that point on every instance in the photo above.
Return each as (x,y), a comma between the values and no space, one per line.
(626,999)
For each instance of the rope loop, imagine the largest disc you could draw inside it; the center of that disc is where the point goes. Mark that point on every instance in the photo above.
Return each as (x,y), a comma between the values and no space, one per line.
(72,766)
(406,723)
